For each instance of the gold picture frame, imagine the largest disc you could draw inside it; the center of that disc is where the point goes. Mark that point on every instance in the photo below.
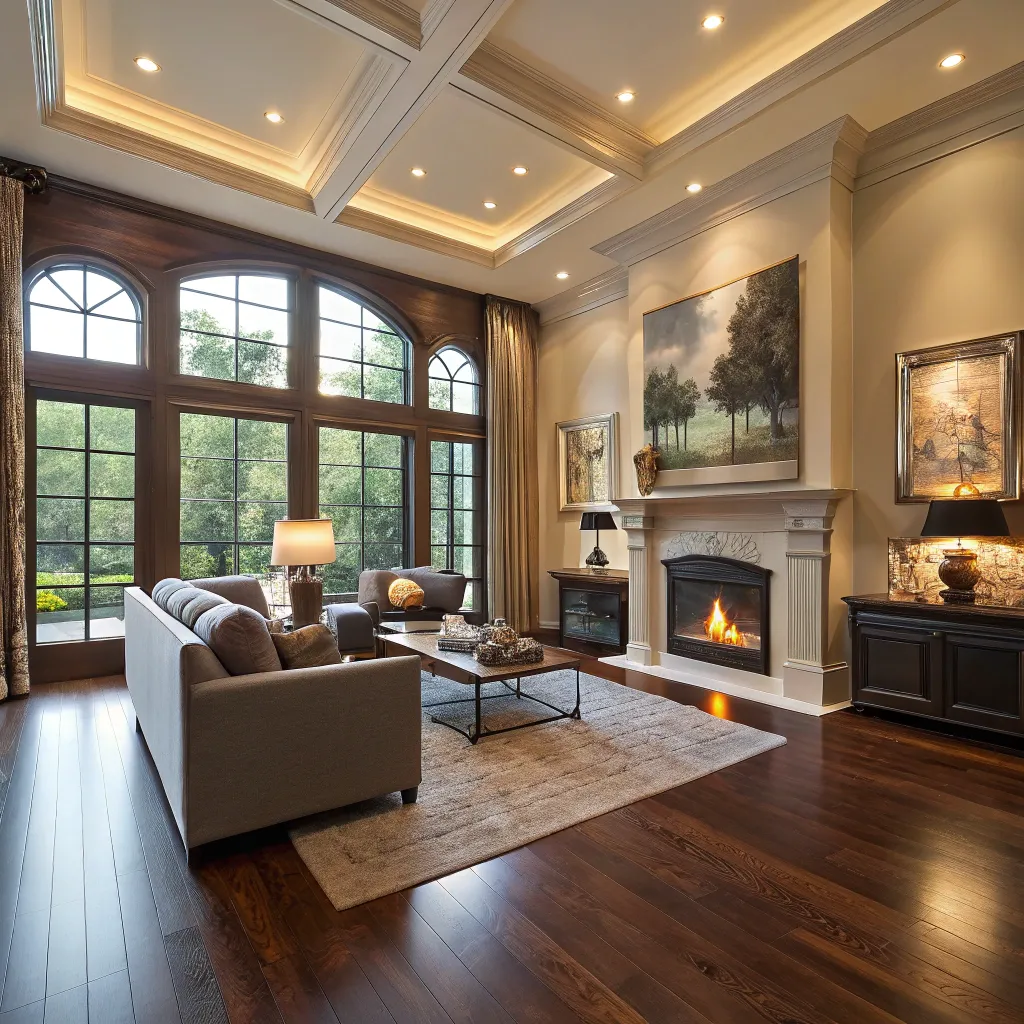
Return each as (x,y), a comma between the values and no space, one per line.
(958,420)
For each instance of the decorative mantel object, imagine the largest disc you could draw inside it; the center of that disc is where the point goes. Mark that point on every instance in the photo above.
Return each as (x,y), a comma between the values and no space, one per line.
(646,462)
(963,517)
(958,420)
(722,380)
(300,545)
(588,460)
(597,521)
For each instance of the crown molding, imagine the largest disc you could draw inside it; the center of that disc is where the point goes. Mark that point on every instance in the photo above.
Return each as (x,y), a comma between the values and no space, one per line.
(980,112)
(532,96)
(870,32)
(569,214)
(831,151)
(392,17)
(385,227)
(605,288)
(432,17)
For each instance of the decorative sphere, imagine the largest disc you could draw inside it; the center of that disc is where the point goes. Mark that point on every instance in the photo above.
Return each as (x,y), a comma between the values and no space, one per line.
(405,594)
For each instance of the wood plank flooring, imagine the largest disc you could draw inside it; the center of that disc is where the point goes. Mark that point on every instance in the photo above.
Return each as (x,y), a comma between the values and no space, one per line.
(866,873)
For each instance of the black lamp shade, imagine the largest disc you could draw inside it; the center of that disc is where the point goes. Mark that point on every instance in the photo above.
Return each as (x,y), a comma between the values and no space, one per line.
(965,517)
(597,521)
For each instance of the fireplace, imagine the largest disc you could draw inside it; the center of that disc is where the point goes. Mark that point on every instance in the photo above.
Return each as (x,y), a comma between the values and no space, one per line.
(718,611)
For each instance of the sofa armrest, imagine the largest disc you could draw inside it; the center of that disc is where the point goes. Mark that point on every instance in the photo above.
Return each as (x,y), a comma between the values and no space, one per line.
(276,746)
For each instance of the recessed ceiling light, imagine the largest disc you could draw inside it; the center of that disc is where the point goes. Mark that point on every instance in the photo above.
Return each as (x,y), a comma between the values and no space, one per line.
(694,186)
(418,172)
(562,275)
(489,205)
(146,64)
(273,117)
(520,170)
(712,21)
(952,60)
(626,96)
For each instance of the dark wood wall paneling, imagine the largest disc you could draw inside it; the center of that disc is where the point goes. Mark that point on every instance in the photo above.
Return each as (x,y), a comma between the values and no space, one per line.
(156,247)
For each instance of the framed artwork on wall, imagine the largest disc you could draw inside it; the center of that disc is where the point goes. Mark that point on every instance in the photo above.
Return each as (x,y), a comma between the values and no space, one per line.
(722,381)
(588,459)
(958,421)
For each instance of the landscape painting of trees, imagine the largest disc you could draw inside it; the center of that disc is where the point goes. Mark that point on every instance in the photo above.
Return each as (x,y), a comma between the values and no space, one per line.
(722,373)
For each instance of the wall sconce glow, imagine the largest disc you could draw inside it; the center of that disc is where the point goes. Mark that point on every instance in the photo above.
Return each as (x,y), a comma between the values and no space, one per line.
(952,61)
(626,96)
(520,170)
(562,275)
(146,64)
(273,117)
(712,21)
(418,172)
(488,205)
(694,186)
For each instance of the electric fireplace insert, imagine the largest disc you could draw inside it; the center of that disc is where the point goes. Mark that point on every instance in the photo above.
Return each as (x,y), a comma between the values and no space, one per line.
(718,611)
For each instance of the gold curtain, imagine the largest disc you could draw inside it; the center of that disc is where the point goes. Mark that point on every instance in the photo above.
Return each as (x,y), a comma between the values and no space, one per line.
(512,511)
(13,630)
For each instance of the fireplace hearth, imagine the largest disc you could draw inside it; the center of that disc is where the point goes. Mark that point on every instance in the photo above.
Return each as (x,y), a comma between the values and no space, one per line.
(718,611)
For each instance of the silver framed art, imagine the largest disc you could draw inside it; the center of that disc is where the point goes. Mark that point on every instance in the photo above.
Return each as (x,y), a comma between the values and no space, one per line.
(588,460)
(958,420)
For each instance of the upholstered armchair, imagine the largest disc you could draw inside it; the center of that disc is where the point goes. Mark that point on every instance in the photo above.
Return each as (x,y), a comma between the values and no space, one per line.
(443,593)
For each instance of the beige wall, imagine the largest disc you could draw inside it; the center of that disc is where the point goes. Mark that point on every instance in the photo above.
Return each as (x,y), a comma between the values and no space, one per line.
(582,372)
(938,258)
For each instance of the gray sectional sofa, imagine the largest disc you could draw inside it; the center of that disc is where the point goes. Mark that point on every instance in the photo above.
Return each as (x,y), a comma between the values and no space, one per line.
(240,752)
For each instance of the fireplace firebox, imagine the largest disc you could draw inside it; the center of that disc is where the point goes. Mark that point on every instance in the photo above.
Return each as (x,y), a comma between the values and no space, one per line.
(718,611)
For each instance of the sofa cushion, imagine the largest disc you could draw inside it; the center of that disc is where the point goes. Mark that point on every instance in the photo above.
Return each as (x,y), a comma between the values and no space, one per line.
(199,602)
(307,647)
(163,590)
(373,587)
(238,590)
(176,600)
(240,639)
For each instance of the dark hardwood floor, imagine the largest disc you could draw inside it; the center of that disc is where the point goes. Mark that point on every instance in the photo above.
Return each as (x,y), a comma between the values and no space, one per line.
(867,872)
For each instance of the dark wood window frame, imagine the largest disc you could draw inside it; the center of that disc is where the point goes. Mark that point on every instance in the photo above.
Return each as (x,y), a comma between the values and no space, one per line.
(154,250)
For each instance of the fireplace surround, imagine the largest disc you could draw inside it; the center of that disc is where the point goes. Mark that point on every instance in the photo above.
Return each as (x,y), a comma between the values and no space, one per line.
(718,611)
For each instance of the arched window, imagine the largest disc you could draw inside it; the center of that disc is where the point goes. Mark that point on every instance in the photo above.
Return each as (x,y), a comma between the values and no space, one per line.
(235,327)
(81,309)
(361,355)
(454,383)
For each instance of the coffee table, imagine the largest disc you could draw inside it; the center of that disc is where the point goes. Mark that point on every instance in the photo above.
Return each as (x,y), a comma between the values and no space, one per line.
(464,668)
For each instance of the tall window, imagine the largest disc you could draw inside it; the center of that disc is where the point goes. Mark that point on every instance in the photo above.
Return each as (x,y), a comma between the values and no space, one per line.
(454,384)
(361,356)
(456,538)
(79,309)
(235,327)
(85,519)
(234,487)
(362,489)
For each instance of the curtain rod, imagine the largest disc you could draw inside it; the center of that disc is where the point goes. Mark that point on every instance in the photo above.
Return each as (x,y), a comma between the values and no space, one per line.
(33,178)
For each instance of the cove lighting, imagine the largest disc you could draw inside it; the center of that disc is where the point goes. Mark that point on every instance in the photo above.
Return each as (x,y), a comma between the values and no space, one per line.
(146,64)
(952,61)
(712,21)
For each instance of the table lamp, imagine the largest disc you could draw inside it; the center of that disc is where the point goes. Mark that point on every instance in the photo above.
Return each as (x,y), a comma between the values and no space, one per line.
(300,545)
(597,521)
(962,517)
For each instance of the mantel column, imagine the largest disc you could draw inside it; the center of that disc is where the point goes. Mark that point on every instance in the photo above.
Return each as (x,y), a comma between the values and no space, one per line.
(639,540)
(806,674)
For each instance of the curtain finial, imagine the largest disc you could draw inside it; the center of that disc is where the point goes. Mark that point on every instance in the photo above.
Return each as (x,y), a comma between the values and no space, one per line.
(33,178)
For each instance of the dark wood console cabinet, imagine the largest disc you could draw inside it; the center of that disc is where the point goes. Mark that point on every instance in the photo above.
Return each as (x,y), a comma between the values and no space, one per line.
(593,610)
(954,663)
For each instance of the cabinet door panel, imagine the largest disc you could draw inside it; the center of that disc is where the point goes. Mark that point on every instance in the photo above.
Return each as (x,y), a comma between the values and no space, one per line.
(985,682)
(900,669)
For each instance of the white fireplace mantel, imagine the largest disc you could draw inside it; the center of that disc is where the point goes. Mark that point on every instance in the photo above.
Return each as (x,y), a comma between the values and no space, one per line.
(810,672)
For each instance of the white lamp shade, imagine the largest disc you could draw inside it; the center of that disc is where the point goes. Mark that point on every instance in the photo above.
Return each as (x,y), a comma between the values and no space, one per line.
(303,542)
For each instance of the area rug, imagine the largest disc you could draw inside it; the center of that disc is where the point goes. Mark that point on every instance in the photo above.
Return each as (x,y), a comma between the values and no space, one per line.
(476,802)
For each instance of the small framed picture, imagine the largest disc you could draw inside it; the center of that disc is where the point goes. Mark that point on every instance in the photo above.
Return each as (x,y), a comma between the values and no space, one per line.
(588,459)
(958,420)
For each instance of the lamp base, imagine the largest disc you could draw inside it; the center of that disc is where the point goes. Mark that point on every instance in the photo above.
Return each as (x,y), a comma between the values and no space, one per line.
(307,594)
(597,559)
(959,571)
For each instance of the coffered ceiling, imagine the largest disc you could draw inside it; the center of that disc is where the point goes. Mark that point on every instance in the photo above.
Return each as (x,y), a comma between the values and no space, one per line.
(464,91)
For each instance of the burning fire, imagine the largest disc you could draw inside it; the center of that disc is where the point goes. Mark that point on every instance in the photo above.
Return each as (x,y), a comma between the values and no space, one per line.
(719,629)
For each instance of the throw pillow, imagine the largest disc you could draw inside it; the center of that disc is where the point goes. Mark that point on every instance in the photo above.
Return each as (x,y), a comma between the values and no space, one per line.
(163,590)
(240,639)
(405,594)
(307,647)
(176,600)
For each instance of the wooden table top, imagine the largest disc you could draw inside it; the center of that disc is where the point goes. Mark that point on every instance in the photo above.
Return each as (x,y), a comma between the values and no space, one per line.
(464,668)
